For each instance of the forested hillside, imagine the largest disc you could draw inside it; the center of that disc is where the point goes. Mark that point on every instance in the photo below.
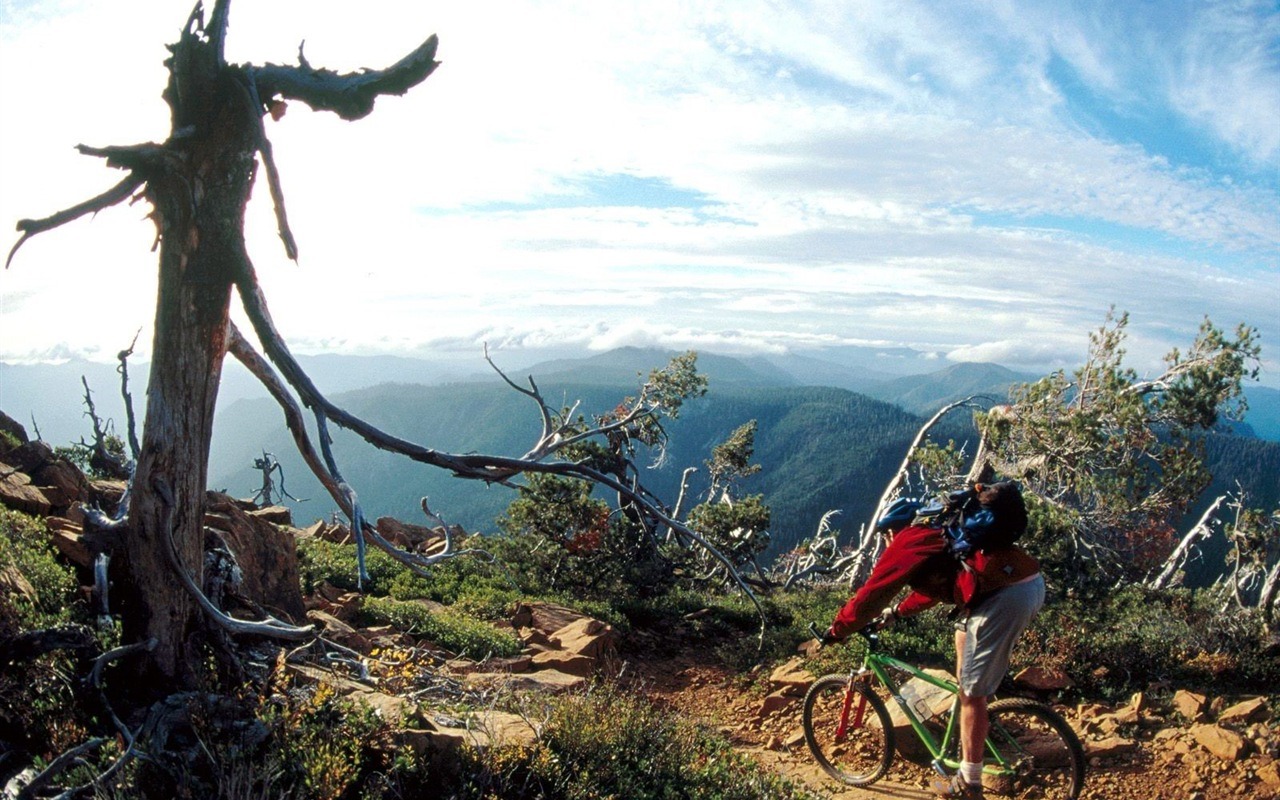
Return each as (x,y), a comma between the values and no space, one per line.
(820,448)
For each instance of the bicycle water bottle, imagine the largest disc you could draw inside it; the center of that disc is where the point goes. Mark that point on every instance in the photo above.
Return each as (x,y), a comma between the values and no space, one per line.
(918,704)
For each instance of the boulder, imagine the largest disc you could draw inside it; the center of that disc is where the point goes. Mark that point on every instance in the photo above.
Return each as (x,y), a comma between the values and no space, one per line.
(63,483)
(267,555)
(792,677)
(564,661)
(276,515)
(11,426)
(547,617)
(1043,679)
(18,493)
(774,703)
(1110,747)
(1242,713)
(1269,774)
(13,582)
(1189,704)
(1222,743)
(338,534)
(417,538)
(71,543)
(340,631)
(585,636)
(548,680)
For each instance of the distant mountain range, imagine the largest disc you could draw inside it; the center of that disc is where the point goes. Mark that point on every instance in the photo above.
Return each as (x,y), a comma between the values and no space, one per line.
(830,435)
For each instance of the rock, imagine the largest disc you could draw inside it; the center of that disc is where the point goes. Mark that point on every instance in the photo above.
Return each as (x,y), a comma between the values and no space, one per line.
(73,547)
(276,515)
(1225,744)
(1189,704)
(792,677)
(809,648)
(1252,710)
(774,703)
(1110,747)
(416,538)
(338,534)
(566,662)
(340,631)
(107,492)
(1139,703)
(267,555)
(1269,773)
(535,640)
(62,482)
(18,493)
(936,700)
(549,617)
(1043,679)
(13,582)
(11,426)
(513,664)
(547,680)
(586,637)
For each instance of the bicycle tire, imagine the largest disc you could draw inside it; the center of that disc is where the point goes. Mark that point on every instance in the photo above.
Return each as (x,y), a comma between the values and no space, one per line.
(864,754)
(1044,753)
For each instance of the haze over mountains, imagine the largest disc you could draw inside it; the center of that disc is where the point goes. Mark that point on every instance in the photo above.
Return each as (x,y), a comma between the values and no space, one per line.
(830,434)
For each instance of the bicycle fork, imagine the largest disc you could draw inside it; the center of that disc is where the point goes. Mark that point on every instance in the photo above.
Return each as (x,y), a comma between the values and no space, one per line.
(859,713)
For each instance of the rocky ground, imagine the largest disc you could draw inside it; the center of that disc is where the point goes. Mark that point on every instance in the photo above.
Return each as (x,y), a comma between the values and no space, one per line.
(1168,743)
(1183,747)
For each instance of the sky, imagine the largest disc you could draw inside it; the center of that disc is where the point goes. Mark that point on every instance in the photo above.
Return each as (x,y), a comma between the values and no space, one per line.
(970,181)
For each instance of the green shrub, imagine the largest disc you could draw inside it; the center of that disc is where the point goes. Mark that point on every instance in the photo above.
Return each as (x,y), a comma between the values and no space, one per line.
(320,561)
(25,547)
(612,743)
(39,708)
(1112,643)
(453,631)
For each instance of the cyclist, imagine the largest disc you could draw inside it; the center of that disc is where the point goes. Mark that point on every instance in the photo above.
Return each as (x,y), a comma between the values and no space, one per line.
(997,589)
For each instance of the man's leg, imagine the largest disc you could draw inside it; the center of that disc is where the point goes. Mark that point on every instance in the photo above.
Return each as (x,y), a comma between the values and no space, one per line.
(973,724)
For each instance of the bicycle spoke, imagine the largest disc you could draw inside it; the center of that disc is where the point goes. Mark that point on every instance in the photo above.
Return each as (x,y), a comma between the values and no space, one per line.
(850,736)
(1039,755)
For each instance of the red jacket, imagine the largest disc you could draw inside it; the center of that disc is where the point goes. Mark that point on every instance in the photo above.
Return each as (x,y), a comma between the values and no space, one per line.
(917,557)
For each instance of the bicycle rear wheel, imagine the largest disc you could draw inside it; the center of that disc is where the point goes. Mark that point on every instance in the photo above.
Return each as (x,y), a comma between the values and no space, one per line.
(1041,757)
(857,751)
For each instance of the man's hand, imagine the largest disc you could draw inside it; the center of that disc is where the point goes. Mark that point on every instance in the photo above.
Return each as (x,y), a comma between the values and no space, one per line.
(824,637)
(886,618)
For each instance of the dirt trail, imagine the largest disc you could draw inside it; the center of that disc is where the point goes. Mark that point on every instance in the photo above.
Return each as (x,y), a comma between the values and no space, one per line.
(716,695)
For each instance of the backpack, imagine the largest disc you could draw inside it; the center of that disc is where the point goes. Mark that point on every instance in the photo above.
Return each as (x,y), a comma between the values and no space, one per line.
(985,517)
(982,517)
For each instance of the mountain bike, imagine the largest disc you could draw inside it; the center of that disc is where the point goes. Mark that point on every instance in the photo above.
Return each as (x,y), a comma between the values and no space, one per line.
(1031,751)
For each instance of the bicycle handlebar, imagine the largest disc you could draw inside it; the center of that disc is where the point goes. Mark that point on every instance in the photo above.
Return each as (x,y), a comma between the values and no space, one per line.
(871,633)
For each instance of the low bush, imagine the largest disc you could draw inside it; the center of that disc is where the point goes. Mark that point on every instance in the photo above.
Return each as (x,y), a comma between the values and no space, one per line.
(612,743)
(449,629)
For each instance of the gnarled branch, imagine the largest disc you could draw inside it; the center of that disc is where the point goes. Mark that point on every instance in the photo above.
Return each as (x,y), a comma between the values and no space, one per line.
(351,95)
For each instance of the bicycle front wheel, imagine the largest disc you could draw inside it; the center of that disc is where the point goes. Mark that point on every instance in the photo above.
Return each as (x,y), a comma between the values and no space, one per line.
(1037,754)
(848,730)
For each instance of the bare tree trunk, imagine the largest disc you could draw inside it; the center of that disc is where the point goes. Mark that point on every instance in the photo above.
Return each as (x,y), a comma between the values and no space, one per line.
(1178,558)
(199,192)
(869,544)
(1270,590)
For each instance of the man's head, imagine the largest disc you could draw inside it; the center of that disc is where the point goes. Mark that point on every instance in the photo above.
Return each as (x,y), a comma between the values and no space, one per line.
(1004,500)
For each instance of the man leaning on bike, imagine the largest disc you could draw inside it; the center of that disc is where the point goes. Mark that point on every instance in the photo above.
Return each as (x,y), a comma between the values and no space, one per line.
(973,563)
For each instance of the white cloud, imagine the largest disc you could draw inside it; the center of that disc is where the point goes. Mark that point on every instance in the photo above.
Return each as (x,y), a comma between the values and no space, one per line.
(877,172)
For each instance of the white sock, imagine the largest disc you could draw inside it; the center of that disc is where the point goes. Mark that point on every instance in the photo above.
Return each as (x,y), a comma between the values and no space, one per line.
(971,772)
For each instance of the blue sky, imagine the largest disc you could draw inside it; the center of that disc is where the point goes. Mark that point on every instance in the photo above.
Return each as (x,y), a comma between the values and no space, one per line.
(973,181)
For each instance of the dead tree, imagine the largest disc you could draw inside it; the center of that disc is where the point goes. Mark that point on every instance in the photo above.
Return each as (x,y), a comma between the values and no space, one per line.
(198,183)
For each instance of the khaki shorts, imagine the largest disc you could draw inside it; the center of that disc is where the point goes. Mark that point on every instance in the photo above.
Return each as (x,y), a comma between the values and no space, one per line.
(991,629)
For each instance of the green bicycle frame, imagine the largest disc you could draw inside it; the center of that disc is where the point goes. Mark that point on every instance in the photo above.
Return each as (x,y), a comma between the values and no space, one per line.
(880,665)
